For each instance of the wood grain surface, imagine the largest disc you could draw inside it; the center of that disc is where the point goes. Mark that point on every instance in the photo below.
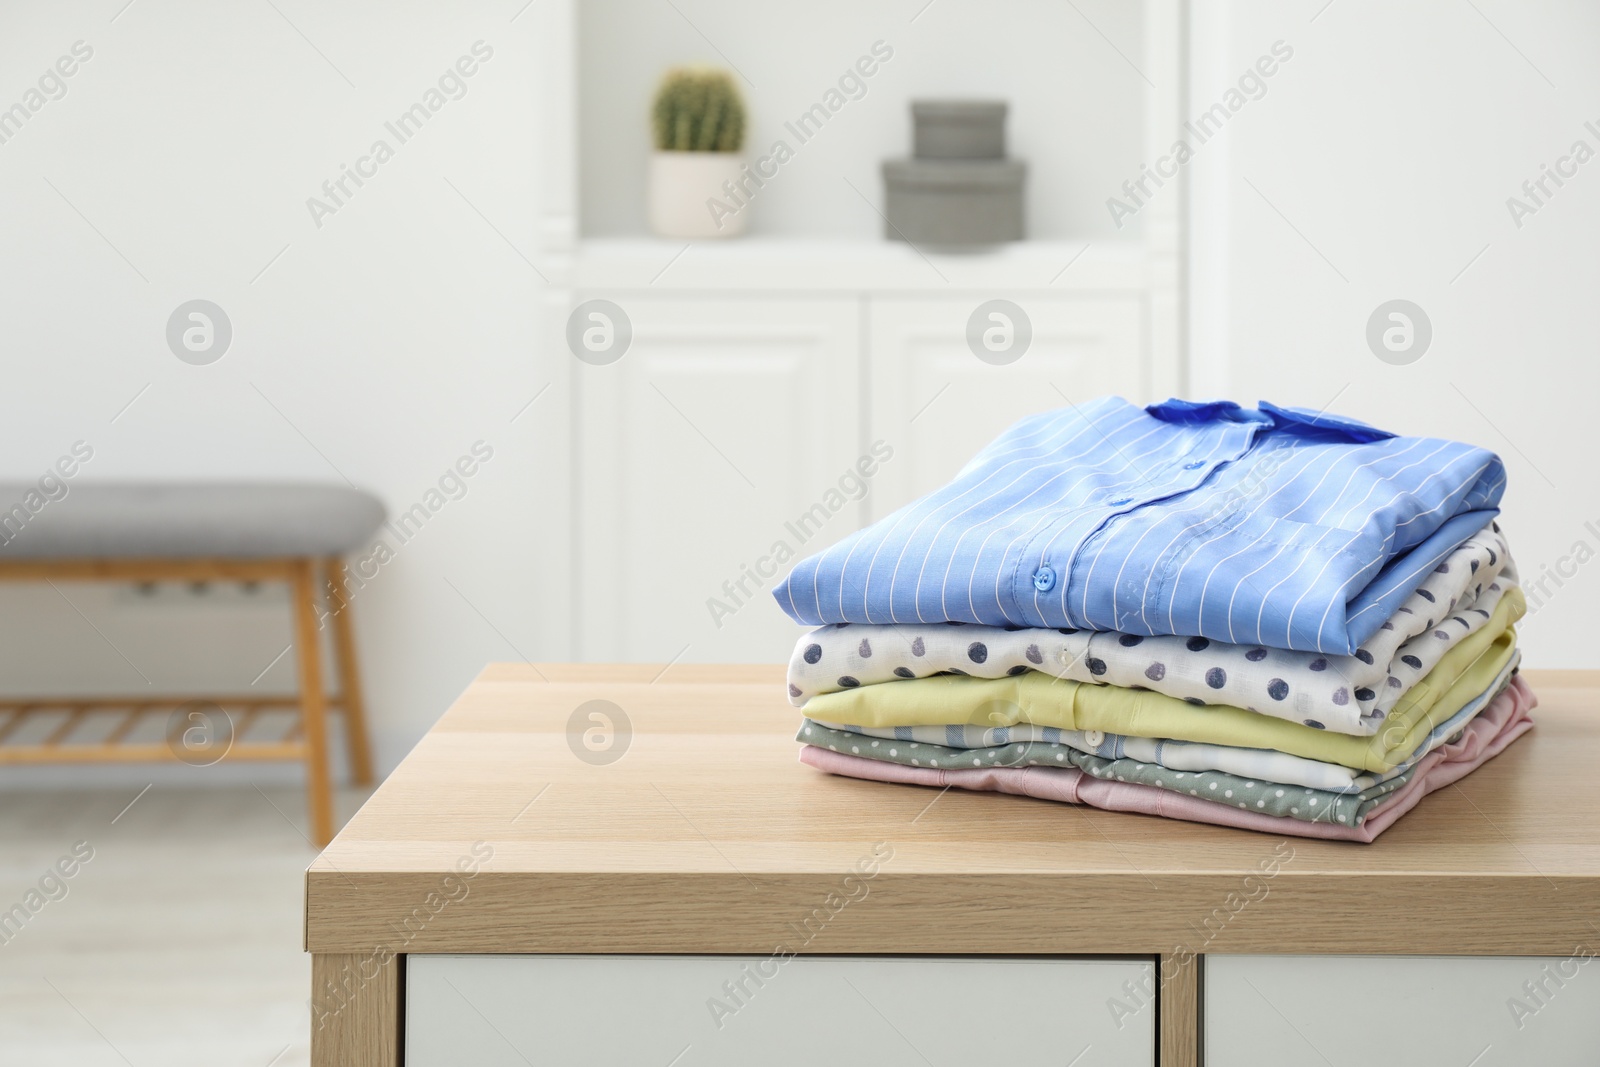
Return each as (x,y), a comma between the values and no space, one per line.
(355,1011)
(707,835)
(1181,1010)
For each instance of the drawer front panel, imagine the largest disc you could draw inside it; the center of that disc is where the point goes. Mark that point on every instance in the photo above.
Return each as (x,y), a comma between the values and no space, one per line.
(1267,1011)
(803,1012)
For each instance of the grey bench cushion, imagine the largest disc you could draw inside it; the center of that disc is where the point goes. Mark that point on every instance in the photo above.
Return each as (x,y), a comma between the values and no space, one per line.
(181,520)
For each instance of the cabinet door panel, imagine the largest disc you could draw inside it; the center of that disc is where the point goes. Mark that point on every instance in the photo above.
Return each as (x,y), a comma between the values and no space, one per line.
(710,1011)
(1266,1011)
(937,402)
(725,421)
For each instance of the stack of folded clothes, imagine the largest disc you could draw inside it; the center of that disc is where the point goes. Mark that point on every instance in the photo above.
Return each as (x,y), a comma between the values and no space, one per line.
(1275,619)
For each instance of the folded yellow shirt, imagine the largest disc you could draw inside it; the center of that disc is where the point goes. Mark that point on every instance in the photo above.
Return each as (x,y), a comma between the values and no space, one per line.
(1040,700)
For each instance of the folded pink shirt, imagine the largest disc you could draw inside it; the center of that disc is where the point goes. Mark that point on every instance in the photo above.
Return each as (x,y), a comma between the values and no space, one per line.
(1503,721)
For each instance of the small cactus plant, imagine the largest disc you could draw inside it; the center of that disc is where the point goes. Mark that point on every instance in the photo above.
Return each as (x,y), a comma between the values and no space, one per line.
(698,109)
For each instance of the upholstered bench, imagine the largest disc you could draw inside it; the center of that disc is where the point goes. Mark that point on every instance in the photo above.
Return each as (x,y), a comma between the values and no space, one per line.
(198,532)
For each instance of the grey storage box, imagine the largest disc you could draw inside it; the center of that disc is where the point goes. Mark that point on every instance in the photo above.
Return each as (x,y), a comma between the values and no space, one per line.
(958,129)
(953,202)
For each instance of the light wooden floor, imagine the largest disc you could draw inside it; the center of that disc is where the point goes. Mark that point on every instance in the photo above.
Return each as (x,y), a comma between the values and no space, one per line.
(178,944)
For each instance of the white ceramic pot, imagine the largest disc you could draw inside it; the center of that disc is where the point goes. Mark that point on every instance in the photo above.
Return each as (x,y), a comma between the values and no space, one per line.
(688,198)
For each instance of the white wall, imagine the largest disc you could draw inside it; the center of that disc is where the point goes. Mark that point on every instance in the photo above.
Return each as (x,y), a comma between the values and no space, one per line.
(378,347)
(1076,105)
(406,328)
(1391,142)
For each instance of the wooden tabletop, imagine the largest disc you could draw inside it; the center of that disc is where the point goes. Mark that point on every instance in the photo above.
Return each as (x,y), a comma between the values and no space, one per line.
(707,835)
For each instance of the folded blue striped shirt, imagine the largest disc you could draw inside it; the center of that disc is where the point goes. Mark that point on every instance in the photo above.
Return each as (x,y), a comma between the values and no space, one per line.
(1278,526)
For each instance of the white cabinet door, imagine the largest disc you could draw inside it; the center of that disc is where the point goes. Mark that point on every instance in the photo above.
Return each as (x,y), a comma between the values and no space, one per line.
(937,401)
(720,447)
(665,1011)
(1267,1011)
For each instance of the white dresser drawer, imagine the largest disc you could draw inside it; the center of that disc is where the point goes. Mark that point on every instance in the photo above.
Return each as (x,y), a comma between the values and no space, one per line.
(1456,1011)
(656,1011)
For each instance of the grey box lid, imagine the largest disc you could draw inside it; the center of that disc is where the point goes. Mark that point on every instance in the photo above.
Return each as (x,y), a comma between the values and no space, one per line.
(184,520)
(959,110)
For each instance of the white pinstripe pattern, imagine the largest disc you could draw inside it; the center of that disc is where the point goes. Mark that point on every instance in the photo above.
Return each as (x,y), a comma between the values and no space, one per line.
(963,531)
(1292,549)
(989,456)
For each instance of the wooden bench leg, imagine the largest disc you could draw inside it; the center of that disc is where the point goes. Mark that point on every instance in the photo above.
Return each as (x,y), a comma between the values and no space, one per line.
(353,706)
(313,701)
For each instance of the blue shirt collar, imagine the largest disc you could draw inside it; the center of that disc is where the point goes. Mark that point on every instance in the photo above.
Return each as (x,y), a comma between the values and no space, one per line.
(1274,416)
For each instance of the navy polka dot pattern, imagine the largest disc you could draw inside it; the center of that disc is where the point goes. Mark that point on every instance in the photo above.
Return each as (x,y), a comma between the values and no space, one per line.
(1346,694)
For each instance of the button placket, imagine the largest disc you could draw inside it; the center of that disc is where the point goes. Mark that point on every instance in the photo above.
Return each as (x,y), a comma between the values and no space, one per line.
(1171,482)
